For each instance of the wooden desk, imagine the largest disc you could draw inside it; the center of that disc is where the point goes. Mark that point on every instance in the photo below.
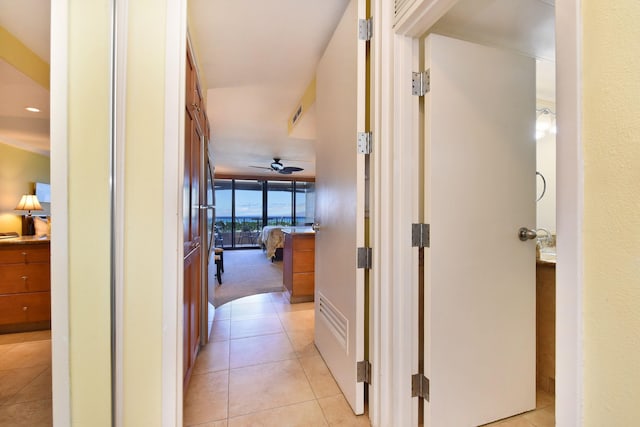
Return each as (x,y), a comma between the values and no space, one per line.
(25,284)
(299,265)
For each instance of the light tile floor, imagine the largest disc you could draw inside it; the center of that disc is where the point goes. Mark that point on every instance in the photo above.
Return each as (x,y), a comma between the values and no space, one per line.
(25,379)
(261,368)
(542,416)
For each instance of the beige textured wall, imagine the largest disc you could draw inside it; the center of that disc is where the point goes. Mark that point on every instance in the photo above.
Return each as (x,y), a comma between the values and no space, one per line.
(611,126)
(19,169)
(88,213)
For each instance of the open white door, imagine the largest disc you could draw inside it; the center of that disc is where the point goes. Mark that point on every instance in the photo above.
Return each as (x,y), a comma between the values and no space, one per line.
(479,190)
(339,285)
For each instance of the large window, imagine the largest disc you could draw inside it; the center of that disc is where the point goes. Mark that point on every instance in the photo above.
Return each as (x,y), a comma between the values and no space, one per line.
(305,203)
(279,203)
(224,213)
(243,207)
(247,213)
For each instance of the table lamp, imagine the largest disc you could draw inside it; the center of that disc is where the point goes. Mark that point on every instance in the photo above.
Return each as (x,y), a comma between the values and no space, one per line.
(28,202)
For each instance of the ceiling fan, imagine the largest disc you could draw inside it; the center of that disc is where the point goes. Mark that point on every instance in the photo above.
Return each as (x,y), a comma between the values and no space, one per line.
(276,166)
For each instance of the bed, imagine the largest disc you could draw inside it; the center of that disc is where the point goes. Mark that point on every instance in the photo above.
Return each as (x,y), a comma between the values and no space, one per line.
(271,238)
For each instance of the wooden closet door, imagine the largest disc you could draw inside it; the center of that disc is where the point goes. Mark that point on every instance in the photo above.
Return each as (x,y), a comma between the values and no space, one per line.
(193,152)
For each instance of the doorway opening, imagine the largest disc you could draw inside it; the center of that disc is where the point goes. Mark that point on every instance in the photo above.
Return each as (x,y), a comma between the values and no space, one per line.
(25,214)
(533,36)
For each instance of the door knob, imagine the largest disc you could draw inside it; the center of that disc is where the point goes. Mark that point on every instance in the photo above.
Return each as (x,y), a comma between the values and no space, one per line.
(527,234)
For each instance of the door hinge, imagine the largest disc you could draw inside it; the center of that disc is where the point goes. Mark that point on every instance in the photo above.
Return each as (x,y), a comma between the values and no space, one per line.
(365,258)
(365,142)
(421,83)
(364,371)
(420,235)
(365,29)
(420,386)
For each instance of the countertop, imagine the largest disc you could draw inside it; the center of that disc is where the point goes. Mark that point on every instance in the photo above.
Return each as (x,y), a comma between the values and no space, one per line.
(24,240)
(547,258)
(298,230)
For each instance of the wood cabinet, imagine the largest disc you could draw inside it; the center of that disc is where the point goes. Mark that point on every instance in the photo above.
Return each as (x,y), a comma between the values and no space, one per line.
(299,265)
(546,326)
(195,129)
(25,284)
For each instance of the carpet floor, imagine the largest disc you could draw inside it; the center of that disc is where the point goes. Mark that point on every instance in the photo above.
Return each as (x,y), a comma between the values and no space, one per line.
(246,272)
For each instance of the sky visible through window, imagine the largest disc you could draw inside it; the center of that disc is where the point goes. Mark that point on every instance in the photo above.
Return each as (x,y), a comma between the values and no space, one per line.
(249,203)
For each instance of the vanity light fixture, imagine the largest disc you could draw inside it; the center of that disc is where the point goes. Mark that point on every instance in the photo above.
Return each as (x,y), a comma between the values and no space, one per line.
(545,122)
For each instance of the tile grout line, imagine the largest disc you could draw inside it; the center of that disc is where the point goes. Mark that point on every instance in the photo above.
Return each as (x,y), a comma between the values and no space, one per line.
(276,407)
(27,385)
(299,356)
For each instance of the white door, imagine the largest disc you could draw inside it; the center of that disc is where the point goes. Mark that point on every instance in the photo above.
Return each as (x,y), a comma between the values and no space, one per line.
(479,190)
(339,285)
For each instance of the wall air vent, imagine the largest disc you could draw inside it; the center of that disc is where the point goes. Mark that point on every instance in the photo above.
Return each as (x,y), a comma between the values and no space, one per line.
(297,115)
(334,320)
(401,7)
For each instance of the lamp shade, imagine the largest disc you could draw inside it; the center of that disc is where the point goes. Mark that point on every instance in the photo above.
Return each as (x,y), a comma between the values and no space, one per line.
(29,202)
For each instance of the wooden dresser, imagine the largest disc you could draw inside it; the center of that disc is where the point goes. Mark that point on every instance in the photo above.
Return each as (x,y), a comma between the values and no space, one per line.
(299,265)
(25,284)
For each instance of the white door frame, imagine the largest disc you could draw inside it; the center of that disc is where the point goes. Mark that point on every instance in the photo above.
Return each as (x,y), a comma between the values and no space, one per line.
(60,372)
(402,132)
(394,194)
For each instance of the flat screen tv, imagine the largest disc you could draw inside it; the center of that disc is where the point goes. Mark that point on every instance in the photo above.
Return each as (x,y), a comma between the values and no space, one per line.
(43,192)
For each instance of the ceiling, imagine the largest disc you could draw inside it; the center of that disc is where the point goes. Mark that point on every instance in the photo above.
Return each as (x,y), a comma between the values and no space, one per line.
(524,26)
(256,60)
(28,21)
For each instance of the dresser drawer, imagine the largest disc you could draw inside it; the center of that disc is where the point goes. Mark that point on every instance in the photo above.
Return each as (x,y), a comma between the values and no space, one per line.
(303,261)
(304,242)
(303,284)
(25,308)
(15,278)
(24,254)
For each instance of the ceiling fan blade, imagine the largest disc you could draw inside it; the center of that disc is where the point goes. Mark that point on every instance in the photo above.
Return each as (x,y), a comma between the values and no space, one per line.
(260,167)
(287,170)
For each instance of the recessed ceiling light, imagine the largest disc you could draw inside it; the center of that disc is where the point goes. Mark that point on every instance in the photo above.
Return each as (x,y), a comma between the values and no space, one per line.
(32,109)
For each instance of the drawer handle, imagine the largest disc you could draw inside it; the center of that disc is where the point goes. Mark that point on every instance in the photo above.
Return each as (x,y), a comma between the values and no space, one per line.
(24,254)
(24,278)
(25,308)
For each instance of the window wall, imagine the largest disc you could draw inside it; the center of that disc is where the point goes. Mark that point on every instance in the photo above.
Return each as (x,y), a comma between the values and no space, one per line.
(305,203)
(248,207)
(243,207)
(279,210)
